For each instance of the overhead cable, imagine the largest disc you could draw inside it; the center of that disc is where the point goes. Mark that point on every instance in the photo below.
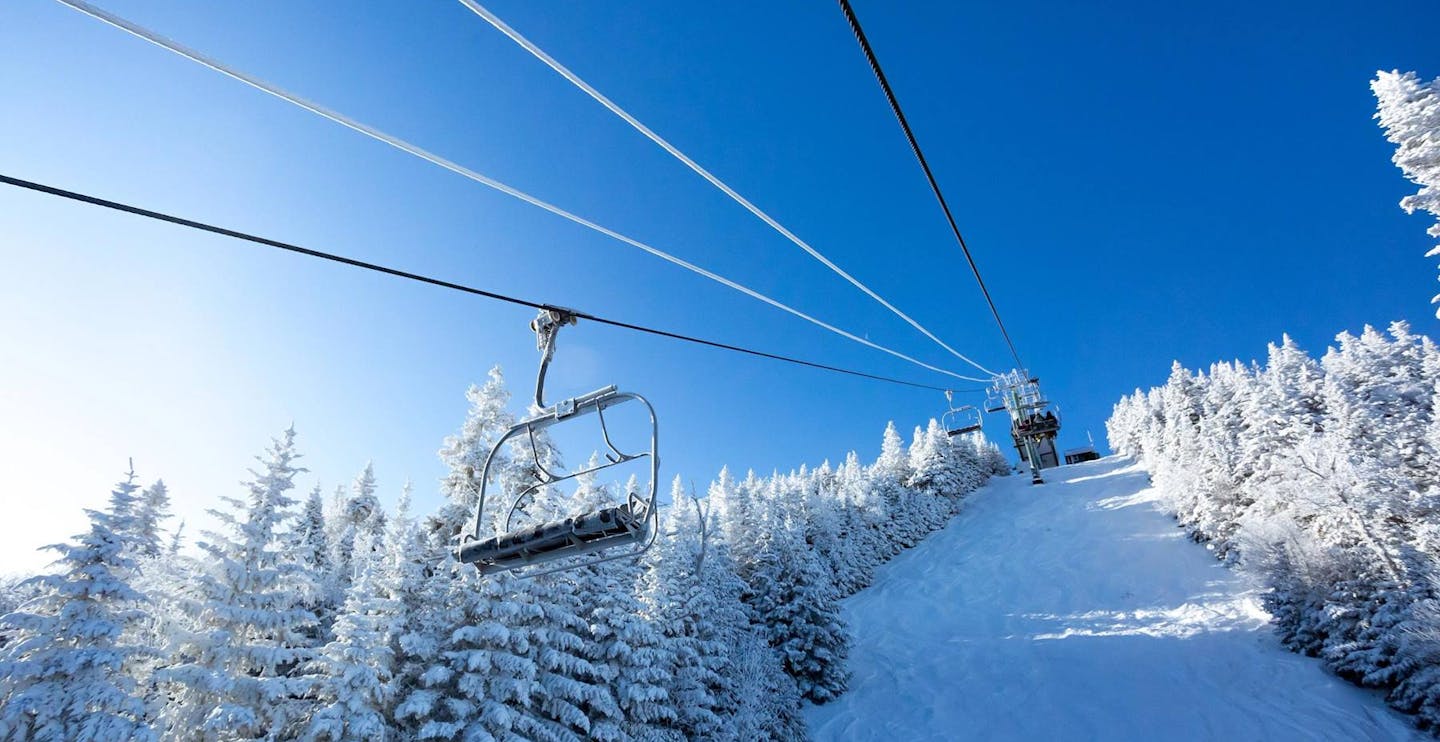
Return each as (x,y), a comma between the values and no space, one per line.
(350,123)
(395,272)
(600,98)
(934,186)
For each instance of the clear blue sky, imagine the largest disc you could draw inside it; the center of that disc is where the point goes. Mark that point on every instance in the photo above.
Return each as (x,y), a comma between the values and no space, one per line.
(1139,183)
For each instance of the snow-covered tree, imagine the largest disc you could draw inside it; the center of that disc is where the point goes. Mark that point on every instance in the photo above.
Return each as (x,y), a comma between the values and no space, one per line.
(795,599)
(1320,478)
(63,670)
(358,518)
(630,656)
(239,674)
(888,476)
(152,510)
(309,547)
(691,599)
(1409,112)
(484,681)
(355,689)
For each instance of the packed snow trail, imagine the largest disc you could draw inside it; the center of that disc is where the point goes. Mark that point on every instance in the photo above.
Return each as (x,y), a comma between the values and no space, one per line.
(1077,610)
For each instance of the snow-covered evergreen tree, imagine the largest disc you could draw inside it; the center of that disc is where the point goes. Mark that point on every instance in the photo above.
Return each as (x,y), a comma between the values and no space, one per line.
(795,599)
(239,674)
(358,518)
(1319,477)
(355,689)
(1409,112)
(697,608)
(888,476)
(867,517)
(63,670)
(630,657)
(152,510)
(483,633)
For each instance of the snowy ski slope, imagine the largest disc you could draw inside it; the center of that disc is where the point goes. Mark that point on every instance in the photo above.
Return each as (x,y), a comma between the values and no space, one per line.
(1077,610)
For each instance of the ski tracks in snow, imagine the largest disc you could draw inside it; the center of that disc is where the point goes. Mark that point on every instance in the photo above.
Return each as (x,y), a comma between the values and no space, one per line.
(1077,610)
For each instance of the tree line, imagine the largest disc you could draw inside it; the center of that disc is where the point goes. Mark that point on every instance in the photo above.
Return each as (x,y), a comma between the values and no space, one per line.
(330,618)
(1323,478)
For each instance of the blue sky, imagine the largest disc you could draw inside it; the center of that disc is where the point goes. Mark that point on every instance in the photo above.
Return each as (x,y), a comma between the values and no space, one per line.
(1139,184)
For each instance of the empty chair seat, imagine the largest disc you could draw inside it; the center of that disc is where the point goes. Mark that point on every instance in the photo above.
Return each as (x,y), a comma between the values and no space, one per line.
(557,539)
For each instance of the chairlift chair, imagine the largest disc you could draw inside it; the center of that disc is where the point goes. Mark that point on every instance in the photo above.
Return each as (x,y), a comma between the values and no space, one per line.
(961,420)
(631,524)
(994,401)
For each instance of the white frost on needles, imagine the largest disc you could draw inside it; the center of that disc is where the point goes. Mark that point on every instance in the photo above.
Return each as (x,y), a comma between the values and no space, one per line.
(1409,111)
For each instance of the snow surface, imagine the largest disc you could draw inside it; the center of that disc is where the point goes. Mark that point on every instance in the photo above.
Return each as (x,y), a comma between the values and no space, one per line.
(1078,610)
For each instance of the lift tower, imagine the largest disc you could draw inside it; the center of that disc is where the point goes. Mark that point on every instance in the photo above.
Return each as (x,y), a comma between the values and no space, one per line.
(1033,423)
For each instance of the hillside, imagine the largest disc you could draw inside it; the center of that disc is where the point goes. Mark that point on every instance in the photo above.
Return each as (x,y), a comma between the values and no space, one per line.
(1078,610)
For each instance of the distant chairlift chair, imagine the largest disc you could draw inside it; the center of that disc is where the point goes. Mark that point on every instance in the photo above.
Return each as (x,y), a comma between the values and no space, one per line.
(961,420)
(632,524)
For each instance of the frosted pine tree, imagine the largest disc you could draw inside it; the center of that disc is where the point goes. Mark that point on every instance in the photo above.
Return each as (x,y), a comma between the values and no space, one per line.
(795,600)
(152,510)
(677,592)
(756,699)
(865,525)
(1380,405)
(888,474)
(309,546)
(431,704)
(63,669)
(357,517)
(1178,471)
(422,703)
(732,504)
(418,573)
(631,657)
(239,674)
(1286,407)
(1409,112)
(820,508)
(1224,476)
(767,700)
(484,681)
(934,488)
(464,453)
(355,690)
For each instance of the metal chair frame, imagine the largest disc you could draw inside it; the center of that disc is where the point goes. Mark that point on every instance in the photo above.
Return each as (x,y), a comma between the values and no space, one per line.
(970,415)
(634,522)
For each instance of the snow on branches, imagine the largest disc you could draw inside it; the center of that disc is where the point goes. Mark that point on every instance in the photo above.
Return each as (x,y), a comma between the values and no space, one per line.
(1409,112)
(1321,478)
(298,619)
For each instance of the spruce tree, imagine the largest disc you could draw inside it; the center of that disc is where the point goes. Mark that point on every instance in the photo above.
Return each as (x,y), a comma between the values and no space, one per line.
(239,674)
(1409,112)
(152,510)
(676,589)
(355,688)
(63,668)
